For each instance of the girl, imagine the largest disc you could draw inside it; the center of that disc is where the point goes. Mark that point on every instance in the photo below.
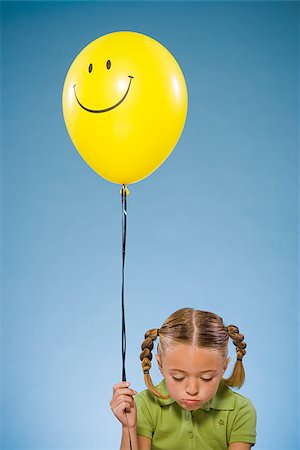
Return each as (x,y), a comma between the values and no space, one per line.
(192,407)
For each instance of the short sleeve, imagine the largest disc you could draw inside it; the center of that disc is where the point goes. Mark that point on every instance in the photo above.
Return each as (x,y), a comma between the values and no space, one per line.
(244,424)
(145,425)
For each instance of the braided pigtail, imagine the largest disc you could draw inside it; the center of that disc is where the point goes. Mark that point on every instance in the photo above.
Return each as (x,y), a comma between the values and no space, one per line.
(237,377)
(146,357)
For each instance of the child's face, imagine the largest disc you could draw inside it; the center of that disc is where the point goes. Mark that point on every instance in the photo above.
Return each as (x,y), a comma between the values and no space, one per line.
(192,374)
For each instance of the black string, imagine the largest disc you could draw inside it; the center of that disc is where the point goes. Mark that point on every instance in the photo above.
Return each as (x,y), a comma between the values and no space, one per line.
(124,227)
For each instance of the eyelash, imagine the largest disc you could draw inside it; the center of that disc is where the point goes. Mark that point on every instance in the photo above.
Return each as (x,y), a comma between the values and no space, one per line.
(181,379)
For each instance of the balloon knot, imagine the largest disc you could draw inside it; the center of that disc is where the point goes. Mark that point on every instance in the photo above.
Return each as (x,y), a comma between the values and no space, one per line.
(124,189)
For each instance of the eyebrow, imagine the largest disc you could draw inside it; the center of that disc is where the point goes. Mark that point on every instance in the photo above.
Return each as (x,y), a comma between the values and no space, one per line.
(203,371)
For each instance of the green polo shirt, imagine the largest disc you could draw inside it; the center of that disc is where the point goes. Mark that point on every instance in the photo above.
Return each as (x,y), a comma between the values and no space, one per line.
(227,417)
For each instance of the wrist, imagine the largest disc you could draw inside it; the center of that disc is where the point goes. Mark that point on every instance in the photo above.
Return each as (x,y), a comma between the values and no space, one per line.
(126,427)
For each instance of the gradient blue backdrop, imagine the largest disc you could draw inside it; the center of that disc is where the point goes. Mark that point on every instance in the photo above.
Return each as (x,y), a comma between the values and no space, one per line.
(214,228)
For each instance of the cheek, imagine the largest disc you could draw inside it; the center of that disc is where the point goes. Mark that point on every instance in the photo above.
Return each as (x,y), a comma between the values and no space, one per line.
(208,390)
(173,387)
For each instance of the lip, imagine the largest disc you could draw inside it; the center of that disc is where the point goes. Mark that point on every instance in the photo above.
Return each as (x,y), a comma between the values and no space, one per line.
(191,402)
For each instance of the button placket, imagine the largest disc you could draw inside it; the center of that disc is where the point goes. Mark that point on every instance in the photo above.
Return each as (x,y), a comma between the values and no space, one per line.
(191,433)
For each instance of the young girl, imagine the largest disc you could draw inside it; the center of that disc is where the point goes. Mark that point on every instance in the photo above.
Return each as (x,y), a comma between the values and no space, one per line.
(192,407)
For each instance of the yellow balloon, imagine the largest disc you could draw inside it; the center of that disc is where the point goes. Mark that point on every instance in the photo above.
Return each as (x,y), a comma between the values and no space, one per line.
(125,105)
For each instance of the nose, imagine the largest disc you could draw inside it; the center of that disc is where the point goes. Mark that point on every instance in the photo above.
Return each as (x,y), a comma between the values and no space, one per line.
(192,387)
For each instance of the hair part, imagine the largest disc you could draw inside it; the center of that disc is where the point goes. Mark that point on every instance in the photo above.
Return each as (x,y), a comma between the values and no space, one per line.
(201,329)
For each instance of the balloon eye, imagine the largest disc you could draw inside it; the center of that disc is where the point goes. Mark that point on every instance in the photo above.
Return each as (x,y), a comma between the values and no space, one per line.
(108,64)
(90,68)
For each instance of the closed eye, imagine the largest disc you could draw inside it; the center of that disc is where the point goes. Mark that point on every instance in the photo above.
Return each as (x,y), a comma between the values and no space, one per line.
(178,379)
(206,379)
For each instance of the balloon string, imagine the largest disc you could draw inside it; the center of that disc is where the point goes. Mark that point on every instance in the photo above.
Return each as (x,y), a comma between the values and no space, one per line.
(124,193)
(124,226)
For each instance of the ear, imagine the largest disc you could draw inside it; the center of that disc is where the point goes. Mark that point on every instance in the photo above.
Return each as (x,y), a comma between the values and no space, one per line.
(226,362)
(159,363)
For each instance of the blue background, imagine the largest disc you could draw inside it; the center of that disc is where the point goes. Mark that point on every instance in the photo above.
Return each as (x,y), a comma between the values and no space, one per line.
(215,227)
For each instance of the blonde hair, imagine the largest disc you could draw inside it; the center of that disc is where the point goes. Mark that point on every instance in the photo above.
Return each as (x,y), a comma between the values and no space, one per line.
(198,328)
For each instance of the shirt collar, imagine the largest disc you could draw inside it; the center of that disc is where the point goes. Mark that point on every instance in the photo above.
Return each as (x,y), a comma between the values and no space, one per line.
(222,400)
(163,389)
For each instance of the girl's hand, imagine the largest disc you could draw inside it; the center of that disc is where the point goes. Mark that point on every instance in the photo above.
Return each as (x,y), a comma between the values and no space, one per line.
(123,405)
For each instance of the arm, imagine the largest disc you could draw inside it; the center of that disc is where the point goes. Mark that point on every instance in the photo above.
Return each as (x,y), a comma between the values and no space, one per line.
(123,406)
(144,443)
(125,443)
(239,446)
(137,442)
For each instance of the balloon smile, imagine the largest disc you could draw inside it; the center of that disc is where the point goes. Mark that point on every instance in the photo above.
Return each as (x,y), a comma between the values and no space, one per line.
(106,109)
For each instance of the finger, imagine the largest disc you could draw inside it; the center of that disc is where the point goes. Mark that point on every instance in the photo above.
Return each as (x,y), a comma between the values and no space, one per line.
(116,400)
(123,384)
(124,391)
(123,398)
(121,409)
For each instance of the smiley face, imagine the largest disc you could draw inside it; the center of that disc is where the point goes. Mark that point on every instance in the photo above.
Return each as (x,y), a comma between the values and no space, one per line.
(124,104)
(105,109)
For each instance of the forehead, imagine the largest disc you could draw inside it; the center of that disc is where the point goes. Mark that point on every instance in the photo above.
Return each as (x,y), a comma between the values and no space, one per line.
(186,357)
